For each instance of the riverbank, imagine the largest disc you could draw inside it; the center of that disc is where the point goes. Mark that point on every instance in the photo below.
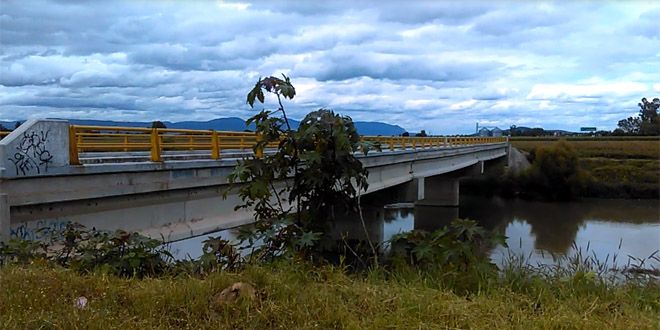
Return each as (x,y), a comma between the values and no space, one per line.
(616,167)
(611,167)
(298,296)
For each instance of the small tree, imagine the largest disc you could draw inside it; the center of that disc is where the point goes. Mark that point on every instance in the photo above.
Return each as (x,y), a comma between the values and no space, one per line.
(648,115)
(294,191)
(630,125)
(158,124)
(646,123)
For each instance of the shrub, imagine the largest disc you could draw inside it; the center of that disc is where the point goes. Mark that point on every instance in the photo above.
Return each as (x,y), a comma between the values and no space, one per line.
(555,173)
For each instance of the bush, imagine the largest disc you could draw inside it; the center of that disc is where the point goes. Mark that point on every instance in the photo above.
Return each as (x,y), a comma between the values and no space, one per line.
(76,247)
(555,173)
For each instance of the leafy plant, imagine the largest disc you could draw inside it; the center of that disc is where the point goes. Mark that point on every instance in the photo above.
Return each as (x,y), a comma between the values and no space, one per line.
(85,250)
(219,254)
(313,173)
(458,253)
(461,245)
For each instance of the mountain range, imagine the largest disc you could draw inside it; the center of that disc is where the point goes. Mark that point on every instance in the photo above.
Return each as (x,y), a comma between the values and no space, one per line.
(229,124)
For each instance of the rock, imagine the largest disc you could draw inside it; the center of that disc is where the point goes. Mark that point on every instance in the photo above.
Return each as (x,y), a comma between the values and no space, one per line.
(81,302)
(233,293)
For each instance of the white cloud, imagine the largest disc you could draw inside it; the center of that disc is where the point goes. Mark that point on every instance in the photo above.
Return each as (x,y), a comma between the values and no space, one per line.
(585,91)
(463,105)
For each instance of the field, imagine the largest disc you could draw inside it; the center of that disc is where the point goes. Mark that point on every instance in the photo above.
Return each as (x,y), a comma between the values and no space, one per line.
(618,167)
(616,148)
(296,296)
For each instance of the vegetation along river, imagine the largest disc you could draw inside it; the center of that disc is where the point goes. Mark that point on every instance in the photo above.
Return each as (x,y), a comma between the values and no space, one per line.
(612,231)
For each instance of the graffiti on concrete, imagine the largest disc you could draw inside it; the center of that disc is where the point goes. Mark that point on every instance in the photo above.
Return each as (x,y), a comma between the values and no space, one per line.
(32,154)
(37,230)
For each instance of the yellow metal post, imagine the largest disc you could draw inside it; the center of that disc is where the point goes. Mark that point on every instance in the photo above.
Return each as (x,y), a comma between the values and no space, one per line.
(73,147)
(215,145)
(155,146)
(259,149)
(391,144)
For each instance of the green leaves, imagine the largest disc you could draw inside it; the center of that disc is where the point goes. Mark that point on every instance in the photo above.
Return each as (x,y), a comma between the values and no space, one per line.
(119,252)
(459,246)
(308,239)
(313,169)
(272,85)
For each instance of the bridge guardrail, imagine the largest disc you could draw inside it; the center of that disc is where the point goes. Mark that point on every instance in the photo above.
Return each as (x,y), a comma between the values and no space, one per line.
(156,140)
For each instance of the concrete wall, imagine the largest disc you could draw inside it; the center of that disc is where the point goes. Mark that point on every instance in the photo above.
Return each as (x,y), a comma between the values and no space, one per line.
(38,147)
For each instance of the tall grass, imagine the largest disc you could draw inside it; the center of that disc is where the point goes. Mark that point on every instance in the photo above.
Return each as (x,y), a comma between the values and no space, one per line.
(604,148)
(294,295)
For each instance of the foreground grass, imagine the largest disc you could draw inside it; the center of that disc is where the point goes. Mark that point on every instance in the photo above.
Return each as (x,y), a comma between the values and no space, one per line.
(295,296)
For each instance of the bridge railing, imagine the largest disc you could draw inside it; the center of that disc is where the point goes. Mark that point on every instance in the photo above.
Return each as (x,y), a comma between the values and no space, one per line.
(84,139)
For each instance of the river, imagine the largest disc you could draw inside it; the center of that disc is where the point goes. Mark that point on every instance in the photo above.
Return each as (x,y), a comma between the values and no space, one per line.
(611,231)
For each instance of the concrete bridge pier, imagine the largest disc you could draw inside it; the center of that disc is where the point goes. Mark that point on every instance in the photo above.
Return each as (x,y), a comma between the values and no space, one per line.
(443,190)
(430,218)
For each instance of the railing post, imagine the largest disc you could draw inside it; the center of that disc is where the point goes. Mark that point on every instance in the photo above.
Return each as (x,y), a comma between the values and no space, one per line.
(215,145)
(392,144)
(259,150)
(155,146)
(73,146)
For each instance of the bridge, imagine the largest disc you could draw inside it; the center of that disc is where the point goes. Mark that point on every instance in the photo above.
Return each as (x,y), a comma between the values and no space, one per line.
(168,183)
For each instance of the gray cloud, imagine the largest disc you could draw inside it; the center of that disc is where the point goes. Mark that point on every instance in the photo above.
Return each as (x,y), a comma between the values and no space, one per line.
(434,65)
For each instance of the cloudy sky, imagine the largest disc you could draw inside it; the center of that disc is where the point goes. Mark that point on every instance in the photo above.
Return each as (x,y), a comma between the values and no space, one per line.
(436,65)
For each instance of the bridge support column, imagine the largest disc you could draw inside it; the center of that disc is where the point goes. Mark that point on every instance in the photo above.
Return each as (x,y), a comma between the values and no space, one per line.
(5,229)
(430,218)
(440,190)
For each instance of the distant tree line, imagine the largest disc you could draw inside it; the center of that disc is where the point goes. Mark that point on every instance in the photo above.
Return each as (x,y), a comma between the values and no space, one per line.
(647,122)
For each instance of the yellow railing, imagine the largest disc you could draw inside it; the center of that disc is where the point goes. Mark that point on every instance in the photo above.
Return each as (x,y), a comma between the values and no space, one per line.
(156,140)
(3,134)
(399,142)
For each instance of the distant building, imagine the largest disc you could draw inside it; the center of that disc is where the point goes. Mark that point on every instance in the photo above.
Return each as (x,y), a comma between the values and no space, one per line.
(484,132)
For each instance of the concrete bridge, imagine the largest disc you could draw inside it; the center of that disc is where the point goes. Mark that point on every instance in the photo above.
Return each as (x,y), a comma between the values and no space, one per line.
(169,183)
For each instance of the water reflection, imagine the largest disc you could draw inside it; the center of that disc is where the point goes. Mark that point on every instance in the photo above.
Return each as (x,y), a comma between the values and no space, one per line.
(544,231)
(540,230)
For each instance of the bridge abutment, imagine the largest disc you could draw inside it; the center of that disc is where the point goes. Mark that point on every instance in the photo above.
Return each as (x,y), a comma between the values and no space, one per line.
(5,224)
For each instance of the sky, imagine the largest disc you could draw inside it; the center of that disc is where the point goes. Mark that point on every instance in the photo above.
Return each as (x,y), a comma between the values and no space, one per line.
(440,66)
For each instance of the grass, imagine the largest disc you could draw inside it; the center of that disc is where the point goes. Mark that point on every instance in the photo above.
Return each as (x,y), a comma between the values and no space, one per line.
(298,296)
(602,148)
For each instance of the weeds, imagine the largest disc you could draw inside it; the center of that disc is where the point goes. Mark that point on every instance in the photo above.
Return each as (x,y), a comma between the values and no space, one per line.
(443,285)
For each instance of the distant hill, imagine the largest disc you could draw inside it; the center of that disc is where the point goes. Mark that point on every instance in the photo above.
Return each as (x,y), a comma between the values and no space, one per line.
(230,124)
